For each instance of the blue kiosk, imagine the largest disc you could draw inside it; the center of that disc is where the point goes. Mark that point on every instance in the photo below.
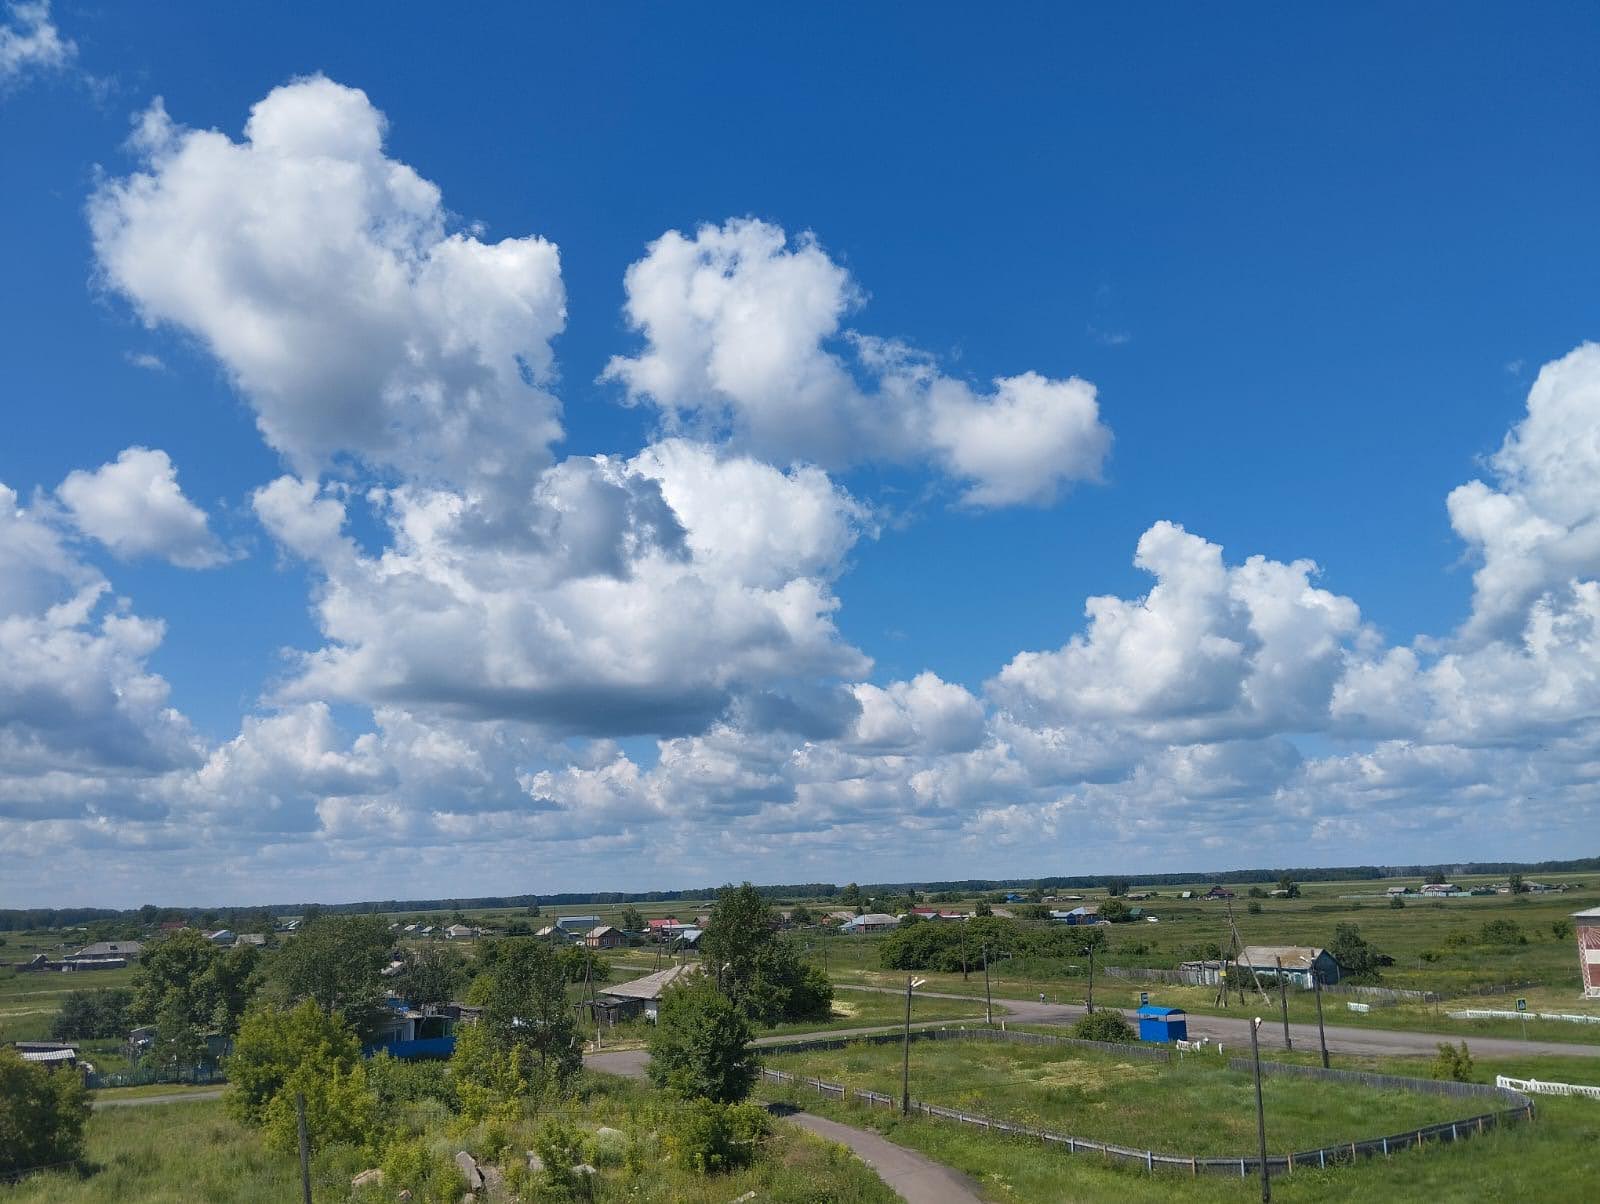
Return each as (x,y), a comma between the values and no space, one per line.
(1162,1024)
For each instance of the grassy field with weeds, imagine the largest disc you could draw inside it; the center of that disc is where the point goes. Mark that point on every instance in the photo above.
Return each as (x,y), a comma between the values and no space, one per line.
(187,1152)
(1196,1106)
(1548,1159)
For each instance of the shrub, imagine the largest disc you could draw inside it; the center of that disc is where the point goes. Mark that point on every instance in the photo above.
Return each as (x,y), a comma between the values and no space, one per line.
(709,1137)
(1453,1063)
(1397,902)
(428,1176)
(42,1114)
(1253,907)
(1501,932)
(560,1146)
(399,1083)
(273,1046)
(1104,1026)
(1561,929)
(92,1015)
(341,1109)
(701,1044)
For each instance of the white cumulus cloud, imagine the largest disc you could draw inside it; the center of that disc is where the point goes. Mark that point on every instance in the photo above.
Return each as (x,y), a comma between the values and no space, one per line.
(135,507)
(30,42)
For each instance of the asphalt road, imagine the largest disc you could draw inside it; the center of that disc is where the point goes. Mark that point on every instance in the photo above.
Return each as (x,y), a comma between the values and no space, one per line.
(1235,1031)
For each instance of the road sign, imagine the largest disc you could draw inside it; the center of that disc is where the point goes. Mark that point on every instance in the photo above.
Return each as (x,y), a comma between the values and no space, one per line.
(1522,1005)
(1144,998)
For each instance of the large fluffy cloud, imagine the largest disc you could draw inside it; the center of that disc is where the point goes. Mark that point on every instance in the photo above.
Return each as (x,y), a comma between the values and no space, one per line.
(743,338)
(614,611)
(135,507)
(77,698)
(324,277)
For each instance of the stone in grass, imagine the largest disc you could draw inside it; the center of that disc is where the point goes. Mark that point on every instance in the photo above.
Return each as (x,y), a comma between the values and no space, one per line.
(535,1163)
(374,1177)
(494,1181)
(469,1168)
(583,1168)
(745,1199)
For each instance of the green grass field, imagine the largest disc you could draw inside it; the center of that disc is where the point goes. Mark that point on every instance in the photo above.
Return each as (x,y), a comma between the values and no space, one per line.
(1196,1106)
(1549,1159)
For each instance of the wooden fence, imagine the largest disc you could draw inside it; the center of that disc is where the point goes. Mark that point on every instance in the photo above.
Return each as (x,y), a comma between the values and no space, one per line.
(1515,1106)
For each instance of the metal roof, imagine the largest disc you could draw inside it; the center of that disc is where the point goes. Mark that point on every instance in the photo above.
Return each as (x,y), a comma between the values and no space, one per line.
(651,986)
(1293,957)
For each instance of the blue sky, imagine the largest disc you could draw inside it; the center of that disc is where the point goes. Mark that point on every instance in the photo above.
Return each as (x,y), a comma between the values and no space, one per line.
(962,310)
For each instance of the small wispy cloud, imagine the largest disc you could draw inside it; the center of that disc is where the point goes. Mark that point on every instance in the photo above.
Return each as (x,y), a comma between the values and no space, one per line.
(1109,338)
(143,359)
(30,42)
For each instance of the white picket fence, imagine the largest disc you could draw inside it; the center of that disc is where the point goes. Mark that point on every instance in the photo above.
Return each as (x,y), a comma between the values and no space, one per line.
(1538,1087)
(1481,1014)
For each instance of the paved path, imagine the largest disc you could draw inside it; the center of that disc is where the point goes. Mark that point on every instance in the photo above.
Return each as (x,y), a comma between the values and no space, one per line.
(1235,1030)
(917,1178)
(138,1101)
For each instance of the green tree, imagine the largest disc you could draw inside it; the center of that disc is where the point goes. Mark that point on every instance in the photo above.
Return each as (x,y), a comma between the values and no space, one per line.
(1397,902)
(632,919)
(1518,886)
(336,962)
(341,1109)
(274,1044)
(1453,1063)
(93,1015)
(42,1114)
(1289,887)
(762,971)
(1357,959)
(1116,887)
(700,1047)
(850,896)
(1114,910)
(801,915)
(179,1044)
(982,908)
(1561,929)
(209,987)
(525,1007)
(433,974)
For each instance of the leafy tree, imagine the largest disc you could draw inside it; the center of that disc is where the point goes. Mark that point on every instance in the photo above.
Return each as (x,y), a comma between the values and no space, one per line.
(1518,886)
(581,964)
(189,976)
(1501,932)
(525,1008)
(982,908)
(533,910)
(93,1015)
(850,896)
(1257,892)
(179,1043)
(1114,910)
(275,1044)
(700,1047)
(1289,887)
(1561,929)
(710,1137)
(1253,907)
(1104,1025)
(341,1108)
(433,974)
(908,919)
(761,970)
(42,1114)
(1397,902)
(1358,959)
(336,962)
(801,915)
(1116,887)
(1436,878)
(1032,911)
(632,920)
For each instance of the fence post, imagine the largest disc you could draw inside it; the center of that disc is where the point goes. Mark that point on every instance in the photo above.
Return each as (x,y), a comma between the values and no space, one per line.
(305,1145)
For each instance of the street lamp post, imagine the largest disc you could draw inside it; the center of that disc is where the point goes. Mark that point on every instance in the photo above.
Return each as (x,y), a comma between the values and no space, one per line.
(1261,1112)
(1322,1033)
(988,999)
(905,1049)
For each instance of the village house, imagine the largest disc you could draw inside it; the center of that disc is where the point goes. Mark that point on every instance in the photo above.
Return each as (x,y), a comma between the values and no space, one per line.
(1299,962)
(604,936)
(640,997)
(873,921)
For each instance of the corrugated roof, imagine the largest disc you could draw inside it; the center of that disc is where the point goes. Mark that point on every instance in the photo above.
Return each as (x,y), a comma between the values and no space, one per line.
(1294,957)
(651,986)
(1592,913)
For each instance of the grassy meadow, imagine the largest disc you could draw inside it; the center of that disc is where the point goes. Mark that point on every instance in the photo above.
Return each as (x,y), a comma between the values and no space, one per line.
(1196,1106)
(1549,1159)
(194,1152)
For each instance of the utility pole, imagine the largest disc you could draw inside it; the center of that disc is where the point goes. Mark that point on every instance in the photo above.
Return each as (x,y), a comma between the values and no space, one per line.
(305,1146)
(1089,1002)
(1283,999)
(1261,1113)
(905,1050)
(1322,1036)
(964,950)
(988,999)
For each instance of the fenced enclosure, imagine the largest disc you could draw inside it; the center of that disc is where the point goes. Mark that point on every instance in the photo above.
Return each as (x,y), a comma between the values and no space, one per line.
(1511,1106)
(1539,1087)
(197,1075)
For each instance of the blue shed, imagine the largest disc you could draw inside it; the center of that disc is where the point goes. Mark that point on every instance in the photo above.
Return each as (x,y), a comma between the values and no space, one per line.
(1162,1024)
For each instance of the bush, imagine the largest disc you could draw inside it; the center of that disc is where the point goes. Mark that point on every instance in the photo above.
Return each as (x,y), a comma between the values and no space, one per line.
(1501,932)
(428,1176)
(701,1044)
(1253,907)
(560,1146)
(1104,1026)
(1452,1063)
(710,1137)
(400,1083)
(42,1114)
(93,1015)
(1397,902)
(1561,929)
(273,1046)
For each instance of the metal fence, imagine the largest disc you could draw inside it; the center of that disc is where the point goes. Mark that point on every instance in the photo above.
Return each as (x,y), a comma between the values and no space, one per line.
(1515,1107)
(1541,1087)
(1205,975)
(1148,1053)
(144,1078)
